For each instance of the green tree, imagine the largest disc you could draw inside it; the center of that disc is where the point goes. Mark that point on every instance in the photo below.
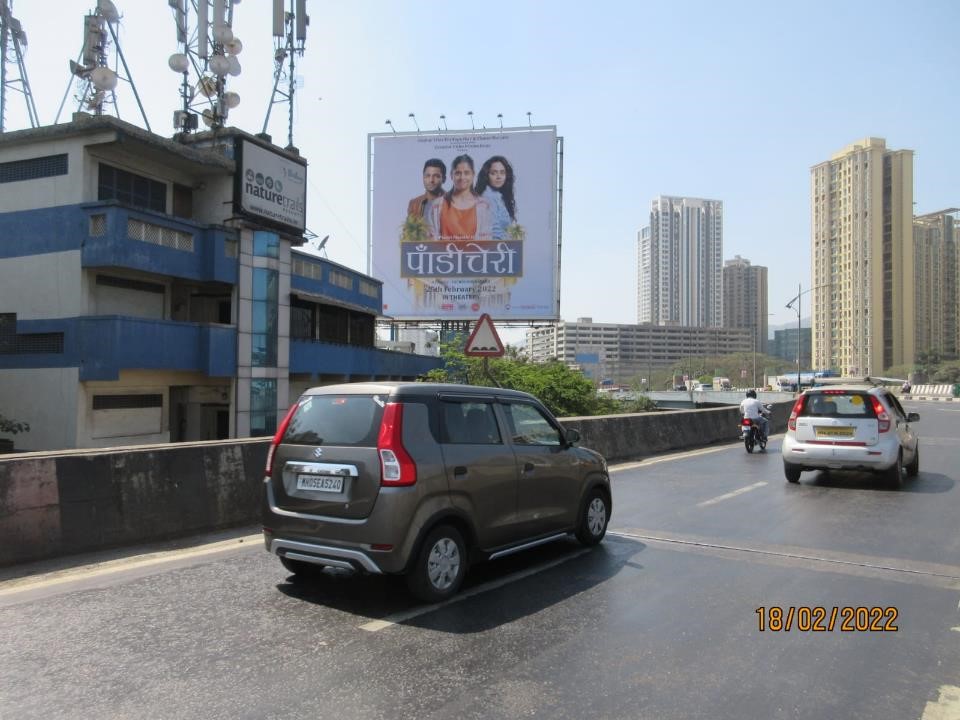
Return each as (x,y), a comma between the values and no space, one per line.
(565,392)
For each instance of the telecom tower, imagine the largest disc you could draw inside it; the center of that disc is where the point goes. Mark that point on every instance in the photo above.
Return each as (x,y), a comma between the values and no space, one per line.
(97,81)
(13,41)
(290,34)
(210,49)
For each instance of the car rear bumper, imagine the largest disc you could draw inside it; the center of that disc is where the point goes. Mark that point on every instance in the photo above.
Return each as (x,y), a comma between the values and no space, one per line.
(837,456)
(325,555)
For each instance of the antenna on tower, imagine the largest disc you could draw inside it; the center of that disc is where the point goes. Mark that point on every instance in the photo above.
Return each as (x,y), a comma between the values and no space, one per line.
(91,69)
(290,34)
(211,51)
(13,41)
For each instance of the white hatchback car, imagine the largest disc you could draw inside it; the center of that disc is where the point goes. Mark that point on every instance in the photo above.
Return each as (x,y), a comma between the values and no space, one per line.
(853,426)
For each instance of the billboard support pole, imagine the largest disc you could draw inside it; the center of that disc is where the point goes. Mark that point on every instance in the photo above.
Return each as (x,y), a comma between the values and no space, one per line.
(559,216)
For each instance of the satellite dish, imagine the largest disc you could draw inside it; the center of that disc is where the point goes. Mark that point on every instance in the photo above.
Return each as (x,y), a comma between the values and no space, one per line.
(231,99)
(207,86)
(234,63)
(207,117)
(222,33)
(103,78)
(179,62)
(219,65)
(108,10)
(233,47)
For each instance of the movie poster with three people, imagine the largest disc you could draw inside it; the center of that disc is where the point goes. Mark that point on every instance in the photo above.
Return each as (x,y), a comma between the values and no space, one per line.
(464,223)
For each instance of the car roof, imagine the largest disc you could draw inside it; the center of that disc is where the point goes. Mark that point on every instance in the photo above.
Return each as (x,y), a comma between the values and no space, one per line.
(407,389)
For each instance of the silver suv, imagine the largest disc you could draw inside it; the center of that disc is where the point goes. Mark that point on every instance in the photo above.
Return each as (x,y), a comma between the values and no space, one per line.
(422,479)
(851,426)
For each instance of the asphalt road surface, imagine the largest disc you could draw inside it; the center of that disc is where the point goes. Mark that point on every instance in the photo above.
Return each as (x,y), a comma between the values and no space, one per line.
(682,612)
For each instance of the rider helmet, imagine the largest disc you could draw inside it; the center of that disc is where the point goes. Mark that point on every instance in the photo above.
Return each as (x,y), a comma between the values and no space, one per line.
(752,394)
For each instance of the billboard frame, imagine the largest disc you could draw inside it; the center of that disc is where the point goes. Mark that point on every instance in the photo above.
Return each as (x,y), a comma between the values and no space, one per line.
(557,239)
(238,179)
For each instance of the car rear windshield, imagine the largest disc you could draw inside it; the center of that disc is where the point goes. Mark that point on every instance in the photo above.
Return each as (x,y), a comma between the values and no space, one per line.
(346,420)
(838,405)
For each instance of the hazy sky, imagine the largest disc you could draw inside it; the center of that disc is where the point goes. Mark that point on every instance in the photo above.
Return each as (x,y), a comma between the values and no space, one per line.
(732,101)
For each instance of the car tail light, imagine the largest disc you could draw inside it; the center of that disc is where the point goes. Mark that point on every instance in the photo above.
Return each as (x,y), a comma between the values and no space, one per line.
(883,419)
(396,466)
(797,407)
(278,437)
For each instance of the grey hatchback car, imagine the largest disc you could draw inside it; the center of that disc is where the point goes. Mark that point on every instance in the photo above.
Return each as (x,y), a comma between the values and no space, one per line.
(422,479)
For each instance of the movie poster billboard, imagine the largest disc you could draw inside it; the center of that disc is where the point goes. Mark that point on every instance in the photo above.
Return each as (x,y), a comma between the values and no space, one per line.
(464,223)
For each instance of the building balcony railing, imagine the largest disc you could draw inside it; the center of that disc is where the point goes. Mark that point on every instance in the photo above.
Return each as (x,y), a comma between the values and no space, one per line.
(109,344)
(316,357)
(120,236)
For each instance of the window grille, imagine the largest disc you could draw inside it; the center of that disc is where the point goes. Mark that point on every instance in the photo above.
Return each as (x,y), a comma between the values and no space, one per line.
(33,168)
(98,225)
(230,248)
(159,235)
(32,344)
(127,402)
(369,289)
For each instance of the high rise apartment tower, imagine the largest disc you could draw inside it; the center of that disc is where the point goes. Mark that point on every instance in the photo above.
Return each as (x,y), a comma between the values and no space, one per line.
(679,263)
(863,302)
(745,299)
(937,265)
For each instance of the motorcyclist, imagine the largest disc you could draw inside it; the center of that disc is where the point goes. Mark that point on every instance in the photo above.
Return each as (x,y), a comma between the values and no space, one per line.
(755,411)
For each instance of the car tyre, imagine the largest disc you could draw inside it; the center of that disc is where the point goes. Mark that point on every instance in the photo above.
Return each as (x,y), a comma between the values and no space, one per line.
(791,472)
(894,474)
(593,520)
(913,467)
(440,566)
(302,570)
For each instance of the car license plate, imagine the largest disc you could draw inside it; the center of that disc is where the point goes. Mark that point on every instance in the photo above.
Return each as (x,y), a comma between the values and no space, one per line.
(320,483)
(844,431)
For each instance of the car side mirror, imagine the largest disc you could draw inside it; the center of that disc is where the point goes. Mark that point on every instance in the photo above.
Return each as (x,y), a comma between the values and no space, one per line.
(572,436)
(913,417)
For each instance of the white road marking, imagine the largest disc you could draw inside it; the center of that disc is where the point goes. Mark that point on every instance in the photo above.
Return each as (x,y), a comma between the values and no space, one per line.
(669,458)
(947,706)
(111,567)
(727,496)
(396,618)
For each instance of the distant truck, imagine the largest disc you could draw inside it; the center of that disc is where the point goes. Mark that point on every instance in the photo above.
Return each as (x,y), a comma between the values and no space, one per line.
(722,383)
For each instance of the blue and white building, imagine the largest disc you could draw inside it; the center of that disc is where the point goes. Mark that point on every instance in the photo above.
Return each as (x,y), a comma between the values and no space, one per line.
(153,290)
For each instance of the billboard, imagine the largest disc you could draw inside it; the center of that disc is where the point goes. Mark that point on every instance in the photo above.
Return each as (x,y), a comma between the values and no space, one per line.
(270,187)
(462,223)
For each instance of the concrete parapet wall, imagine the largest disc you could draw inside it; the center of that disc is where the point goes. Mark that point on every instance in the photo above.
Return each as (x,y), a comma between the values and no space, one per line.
(66,502)
(628,437)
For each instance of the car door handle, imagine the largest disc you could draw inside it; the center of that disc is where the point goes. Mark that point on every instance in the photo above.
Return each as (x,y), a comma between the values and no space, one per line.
(528,467)
(459,470)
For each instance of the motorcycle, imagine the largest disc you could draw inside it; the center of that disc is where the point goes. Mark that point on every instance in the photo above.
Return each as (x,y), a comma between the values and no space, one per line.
(752,434)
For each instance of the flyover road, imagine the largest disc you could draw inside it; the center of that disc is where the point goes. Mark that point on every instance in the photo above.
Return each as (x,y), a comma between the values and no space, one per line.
(661,621)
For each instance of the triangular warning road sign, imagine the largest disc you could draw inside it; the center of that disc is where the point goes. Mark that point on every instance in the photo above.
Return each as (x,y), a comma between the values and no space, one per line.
(484,341)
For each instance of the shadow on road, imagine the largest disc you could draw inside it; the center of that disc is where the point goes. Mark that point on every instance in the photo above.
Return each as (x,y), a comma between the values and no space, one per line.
(927,483)
(569,572)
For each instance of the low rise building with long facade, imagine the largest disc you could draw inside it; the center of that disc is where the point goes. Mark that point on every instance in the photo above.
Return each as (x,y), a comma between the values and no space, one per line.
(624,354)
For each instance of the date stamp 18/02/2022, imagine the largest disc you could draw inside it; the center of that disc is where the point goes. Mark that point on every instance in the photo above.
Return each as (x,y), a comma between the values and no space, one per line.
(819,618)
